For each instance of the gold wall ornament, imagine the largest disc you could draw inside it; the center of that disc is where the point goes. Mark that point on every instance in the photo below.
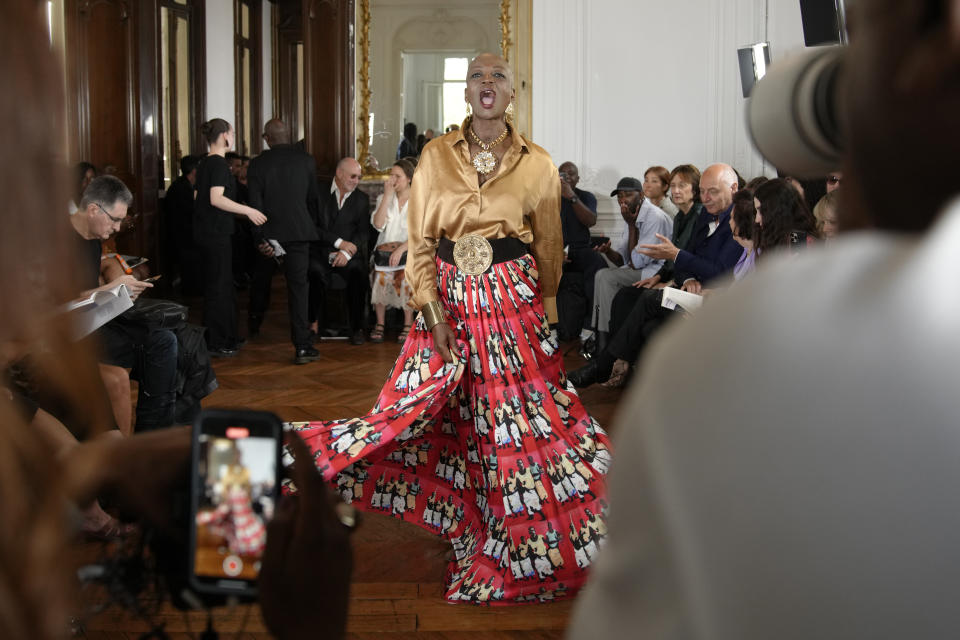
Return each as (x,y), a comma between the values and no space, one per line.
(505,42)
(363,83)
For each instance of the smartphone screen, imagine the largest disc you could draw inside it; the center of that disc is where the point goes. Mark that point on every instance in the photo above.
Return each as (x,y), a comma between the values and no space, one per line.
(236,464)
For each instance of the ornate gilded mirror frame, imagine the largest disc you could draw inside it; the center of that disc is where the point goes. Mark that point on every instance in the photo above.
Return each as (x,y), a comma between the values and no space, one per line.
(515,18)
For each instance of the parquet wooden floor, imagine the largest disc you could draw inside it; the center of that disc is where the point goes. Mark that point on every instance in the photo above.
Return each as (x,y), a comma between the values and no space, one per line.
(398,567)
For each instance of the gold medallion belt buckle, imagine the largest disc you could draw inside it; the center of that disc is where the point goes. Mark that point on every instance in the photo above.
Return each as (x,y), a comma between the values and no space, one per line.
(472,254)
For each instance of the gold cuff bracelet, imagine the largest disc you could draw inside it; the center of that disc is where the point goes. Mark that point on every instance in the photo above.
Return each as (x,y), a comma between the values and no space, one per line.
(432,314)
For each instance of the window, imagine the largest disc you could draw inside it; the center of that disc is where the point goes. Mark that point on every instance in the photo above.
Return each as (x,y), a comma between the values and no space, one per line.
(179,99)
(246,19)
(454,83)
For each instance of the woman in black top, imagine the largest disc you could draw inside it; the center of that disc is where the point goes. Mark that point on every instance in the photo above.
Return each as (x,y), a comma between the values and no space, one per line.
(213,226)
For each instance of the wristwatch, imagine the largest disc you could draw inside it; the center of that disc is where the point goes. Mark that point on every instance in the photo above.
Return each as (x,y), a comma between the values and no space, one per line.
(574,199)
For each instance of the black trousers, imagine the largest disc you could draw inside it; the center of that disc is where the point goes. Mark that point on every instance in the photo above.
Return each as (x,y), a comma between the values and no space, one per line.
(635,316)
(355,275)
(294,264)
(219,296)
(587,261)
(152,356)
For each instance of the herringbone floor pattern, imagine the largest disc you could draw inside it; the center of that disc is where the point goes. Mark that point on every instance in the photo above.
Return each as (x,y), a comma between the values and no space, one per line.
(398,568)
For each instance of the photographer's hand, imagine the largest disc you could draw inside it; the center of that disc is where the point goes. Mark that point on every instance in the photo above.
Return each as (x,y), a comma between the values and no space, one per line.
(305,575)
(114,468)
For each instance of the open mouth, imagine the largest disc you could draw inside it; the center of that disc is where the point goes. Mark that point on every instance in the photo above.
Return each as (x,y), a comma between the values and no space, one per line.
(487,98)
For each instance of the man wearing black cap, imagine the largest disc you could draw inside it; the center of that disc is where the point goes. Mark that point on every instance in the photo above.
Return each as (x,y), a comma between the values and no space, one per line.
(643,223)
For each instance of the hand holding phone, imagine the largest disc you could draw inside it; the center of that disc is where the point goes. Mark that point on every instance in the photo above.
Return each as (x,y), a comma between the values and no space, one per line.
(234,488)
(305,581)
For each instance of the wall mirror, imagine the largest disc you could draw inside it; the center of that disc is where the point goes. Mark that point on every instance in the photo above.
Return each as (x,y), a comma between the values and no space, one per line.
(412,57)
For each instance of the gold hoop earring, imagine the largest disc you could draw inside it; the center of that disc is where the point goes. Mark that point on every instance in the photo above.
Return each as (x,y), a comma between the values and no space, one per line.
(510,113)
(469,109)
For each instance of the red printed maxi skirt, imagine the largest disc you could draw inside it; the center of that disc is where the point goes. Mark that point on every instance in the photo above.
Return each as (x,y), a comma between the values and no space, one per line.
(494,452)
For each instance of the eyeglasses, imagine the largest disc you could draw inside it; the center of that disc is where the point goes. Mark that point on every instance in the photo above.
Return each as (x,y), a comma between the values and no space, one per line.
(113,219)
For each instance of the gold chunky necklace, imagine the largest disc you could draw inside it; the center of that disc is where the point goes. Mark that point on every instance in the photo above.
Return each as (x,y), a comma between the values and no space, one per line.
(484,161)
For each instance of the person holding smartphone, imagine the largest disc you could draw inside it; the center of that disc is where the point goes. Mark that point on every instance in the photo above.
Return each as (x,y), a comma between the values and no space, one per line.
(578,213)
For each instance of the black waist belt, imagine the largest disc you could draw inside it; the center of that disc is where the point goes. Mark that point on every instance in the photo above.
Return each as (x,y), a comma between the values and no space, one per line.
(504,249)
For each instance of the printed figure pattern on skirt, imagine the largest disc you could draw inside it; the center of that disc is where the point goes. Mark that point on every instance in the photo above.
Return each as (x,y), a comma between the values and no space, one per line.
(494,452)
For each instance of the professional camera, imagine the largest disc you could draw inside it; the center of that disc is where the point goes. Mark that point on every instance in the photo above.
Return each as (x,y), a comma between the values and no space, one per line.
(793,113)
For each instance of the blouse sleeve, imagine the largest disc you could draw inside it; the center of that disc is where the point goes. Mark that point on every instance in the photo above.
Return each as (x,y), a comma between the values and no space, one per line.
(547,246)
(373,214)
(421,271)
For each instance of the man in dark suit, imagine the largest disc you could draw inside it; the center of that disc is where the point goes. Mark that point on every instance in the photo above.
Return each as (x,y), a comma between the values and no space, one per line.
(283,182)
(341,252)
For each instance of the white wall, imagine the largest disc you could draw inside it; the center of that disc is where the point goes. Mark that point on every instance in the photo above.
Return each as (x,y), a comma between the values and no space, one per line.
(620,85)
(221,101)
(266,59)
(220,91)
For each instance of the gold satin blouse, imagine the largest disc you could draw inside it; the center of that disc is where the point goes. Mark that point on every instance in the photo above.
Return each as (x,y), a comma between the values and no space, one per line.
(522,200)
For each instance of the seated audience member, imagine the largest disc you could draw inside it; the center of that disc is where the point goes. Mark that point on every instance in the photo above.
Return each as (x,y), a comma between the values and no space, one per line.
(755,182)
(178,229)
(796,184)
(826,214)
(643,223)
(782,218)
(818,505)
(833,181)
(743,228)
(656,187)
(390,287)
(713,253)
(578,213)
(343,227)
(85,172)
(150,353)
(685,188)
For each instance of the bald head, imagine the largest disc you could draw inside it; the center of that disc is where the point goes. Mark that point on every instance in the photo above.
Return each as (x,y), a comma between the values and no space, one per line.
(348,174)
(276,132)
(490,61)
(717,186)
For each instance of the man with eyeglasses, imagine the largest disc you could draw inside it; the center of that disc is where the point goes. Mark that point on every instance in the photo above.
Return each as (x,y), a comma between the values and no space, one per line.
(150,354)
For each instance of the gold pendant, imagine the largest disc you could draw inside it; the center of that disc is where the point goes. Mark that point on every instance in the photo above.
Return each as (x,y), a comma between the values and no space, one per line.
(473,254)
(485,162)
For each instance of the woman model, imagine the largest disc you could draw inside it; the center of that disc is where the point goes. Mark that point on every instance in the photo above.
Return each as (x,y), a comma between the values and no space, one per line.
(477,436)
(390,287)
(212,230)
